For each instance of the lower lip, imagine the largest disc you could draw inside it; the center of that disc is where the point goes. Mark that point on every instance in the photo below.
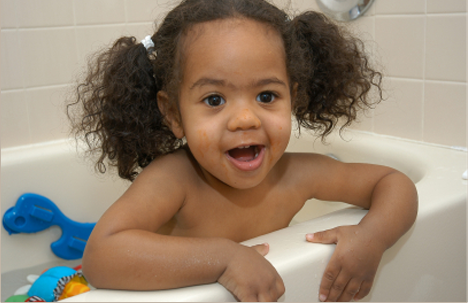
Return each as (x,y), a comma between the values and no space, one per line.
(249,165)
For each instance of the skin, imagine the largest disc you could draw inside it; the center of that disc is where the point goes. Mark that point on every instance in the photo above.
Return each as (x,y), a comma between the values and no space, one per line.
(181,221)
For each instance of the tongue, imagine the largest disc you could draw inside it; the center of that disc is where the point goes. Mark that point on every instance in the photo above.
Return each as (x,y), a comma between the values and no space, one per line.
(243,154)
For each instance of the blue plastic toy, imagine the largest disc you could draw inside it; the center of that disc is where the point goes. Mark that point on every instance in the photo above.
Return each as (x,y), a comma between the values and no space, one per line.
(33,213)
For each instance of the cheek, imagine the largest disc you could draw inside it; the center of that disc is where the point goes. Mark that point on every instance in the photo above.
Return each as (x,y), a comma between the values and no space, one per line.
(282,128)
(281,133)
(280,141)
(202,142)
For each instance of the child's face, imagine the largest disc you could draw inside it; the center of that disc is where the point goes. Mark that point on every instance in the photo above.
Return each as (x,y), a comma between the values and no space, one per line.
(235,93)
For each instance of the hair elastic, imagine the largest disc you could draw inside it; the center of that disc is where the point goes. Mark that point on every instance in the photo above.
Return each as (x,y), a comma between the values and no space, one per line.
(147,42)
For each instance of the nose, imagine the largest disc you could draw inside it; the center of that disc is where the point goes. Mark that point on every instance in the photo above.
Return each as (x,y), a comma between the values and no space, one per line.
(244,119)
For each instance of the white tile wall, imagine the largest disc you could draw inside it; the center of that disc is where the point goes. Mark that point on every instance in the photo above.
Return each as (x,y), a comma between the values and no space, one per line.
(49,119)
(14,119)
(91,12)
(48,56)
(420,43)
(402,7)
(44,13)
(446,48)
(401,114)
(9,14)
(445,112)
(11,64)
(400,40)
(446,6)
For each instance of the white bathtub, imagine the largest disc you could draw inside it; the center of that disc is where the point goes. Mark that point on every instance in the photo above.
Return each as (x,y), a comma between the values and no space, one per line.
(427,264)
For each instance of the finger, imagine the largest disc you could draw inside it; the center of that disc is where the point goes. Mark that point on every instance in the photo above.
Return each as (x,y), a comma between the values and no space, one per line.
(328,280)
(281,289)
(337,288)
(266,298)
(363,291)
(327,237)
(275,291)
(249,298)
(278,289)
(351,289)
(262,249)
(272,295)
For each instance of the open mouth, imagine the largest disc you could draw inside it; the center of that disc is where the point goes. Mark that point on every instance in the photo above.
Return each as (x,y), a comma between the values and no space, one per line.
(247,158)
(245,153)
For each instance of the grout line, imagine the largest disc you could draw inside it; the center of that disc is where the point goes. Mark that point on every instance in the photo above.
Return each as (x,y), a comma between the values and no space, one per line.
(445,82)
(73,26)
(28,119)
(422,14)
(424,57)
(126,12)
(405,79)
(426,80)
(25,89)
(78,54)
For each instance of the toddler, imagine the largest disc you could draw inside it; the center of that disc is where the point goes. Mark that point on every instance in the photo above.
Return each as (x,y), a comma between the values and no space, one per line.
(198,117)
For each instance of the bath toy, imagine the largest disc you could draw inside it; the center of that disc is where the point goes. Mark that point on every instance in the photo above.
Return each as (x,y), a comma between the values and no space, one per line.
(58,283)
(34,299)
(33,213)
(52,280)
(17,298)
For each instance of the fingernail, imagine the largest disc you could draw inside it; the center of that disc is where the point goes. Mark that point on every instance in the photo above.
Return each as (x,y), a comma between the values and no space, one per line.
(310,237)
(322,298)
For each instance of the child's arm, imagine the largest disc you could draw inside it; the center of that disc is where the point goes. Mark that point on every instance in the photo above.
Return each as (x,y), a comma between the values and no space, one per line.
(125,252)
(391,199)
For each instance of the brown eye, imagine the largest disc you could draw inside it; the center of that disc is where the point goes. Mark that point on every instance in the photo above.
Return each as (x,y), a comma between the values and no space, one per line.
(214,101)
(265,97)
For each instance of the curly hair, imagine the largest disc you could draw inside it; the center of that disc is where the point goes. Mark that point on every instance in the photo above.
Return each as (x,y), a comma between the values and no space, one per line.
(118,114)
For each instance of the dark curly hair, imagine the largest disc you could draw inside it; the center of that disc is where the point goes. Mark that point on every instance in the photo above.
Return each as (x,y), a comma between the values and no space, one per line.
(118,114)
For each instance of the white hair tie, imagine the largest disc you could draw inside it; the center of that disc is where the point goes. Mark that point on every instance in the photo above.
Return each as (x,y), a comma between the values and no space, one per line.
(147,42)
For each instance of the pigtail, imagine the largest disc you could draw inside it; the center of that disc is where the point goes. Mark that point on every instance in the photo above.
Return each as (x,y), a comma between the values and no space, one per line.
(118,109)
(335,81)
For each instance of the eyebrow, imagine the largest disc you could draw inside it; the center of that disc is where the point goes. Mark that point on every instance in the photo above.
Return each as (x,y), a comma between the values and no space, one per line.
(219,82)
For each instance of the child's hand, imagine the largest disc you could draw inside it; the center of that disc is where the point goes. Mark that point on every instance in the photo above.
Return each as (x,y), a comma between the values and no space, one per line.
(350,273)
(250,277)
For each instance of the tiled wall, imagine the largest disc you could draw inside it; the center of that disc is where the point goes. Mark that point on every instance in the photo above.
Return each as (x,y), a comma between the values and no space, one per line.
(421,43)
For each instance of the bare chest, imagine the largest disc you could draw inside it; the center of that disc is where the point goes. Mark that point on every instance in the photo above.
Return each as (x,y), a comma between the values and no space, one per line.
(237,215)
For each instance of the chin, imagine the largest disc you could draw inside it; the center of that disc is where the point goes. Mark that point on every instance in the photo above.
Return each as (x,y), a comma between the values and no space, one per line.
(244,182)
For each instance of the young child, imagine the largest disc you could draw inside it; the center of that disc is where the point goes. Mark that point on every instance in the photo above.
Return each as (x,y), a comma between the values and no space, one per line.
(198,116)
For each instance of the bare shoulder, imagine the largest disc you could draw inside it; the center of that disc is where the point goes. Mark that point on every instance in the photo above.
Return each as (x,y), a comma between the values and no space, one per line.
(172,175)
(304,171)
(307,163)
(178,166)
(155,196)
(327,179)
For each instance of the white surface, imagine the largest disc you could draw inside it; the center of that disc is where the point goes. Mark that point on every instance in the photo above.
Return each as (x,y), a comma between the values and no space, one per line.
(54,171)
(427,264)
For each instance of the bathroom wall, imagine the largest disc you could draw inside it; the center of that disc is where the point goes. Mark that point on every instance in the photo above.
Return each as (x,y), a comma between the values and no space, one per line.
(420,43)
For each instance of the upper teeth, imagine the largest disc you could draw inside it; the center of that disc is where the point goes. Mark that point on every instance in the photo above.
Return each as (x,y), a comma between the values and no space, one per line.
(247,146)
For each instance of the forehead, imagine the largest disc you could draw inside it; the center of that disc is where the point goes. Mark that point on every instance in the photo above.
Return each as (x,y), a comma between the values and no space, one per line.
(230,25)
(222,45)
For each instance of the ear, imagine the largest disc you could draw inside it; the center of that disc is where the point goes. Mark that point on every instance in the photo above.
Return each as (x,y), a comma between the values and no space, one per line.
(170,115)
